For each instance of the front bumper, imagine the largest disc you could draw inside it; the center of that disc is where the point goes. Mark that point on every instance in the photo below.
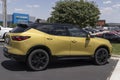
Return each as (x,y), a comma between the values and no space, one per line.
(13,56)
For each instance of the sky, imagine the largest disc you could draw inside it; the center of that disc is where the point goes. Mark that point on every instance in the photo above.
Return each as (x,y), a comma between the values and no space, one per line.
(110,9)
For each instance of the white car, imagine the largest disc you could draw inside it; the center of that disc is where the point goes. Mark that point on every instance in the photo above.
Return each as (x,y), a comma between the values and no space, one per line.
(3,31)
(98,33)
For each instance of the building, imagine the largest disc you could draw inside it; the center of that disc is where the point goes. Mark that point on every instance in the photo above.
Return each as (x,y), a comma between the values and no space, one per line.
(101,23)
(113,24)
(16,18)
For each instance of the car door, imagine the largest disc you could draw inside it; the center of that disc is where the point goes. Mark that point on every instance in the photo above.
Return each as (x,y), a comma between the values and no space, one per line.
(80,45)
(57,39)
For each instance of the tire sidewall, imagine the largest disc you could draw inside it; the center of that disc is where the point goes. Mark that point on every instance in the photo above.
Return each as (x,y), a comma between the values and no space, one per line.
(30,57)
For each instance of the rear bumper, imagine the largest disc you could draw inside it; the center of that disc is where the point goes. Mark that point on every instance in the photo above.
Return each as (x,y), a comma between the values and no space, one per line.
(13,56)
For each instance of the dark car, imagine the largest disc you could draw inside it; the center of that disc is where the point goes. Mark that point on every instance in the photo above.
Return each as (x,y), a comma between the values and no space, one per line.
(112,37)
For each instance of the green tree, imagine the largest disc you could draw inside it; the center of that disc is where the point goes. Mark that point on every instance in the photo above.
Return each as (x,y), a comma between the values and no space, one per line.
(78,12)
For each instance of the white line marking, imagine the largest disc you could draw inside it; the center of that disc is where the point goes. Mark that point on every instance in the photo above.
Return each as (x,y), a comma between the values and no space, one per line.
(116,73)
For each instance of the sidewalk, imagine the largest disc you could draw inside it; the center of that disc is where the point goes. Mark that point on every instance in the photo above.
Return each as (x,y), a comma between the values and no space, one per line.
(116,56)
(116,73)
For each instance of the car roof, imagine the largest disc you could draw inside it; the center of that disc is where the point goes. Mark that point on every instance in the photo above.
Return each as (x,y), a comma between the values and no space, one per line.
(63,24)
(34,25)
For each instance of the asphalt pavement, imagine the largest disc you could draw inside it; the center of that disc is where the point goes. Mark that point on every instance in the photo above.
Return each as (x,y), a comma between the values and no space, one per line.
(59,70)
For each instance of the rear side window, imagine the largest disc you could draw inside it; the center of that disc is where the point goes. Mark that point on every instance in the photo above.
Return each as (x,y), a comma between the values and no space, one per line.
(60,31)
(45,28)
(53,29)
(20,28)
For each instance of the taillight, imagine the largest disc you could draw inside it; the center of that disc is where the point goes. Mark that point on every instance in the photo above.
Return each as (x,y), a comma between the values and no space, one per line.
(20,38)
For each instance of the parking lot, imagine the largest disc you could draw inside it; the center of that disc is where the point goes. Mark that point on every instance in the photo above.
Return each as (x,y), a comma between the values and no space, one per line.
(59,70)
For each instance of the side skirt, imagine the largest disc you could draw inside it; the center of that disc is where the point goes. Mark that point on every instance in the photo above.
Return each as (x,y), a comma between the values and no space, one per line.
(71,57)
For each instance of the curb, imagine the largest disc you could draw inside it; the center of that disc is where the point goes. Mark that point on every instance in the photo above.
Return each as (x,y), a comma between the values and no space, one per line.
(117,56)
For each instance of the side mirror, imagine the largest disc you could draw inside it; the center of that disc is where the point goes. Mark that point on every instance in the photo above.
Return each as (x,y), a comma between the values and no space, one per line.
(88,37)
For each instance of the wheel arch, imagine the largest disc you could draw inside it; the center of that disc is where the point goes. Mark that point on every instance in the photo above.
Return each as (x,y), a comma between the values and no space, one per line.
(102,46)
(39,47)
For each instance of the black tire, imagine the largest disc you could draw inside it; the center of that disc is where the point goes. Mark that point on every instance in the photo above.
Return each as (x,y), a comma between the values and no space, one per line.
(38,60)
(101,56)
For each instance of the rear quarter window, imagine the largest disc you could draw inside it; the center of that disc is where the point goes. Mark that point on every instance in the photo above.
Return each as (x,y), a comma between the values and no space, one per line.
(20,28)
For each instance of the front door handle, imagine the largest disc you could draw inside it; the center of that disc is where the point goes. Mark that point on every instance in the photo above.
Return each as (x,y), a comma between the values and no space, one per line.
(74,41)
(49,39)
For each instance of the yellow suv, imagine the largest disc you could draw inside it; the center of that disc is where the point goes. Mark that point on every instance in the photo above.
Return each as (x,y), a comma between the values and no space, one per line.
(37,43)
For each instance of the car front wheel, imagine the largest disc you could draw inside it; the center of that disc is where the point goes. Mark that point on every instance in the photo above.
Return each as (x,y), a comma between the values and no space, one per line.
(38,60)
(101,56)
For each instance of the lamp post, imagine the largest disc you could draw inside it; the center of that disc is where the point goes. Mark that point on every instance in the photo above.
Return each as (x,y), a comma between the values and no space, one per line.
(4,12)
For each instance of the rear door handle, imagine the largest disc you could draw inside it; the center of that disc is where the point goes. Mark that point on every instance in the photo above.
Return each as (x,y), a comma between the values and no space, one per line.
(49,39)
(74,41)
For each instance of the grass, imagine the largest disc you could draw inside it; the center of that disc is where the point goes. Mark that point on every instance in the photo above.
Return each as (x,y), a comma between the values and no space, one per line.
(116,48)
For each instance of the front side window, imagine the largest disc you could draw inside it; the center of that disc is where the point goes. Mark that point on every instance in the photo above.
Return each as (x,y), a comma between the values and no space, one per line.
(76,32)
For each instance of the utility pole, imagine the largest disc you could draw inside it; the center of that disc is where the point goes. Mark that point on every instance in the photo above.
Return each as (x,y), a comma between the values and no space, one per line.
(4,12)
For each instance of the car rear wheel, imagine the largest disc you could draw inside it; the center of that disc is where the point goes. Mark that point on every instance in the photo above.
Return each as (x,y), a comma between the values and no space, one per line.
(101,56)
(38,60)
